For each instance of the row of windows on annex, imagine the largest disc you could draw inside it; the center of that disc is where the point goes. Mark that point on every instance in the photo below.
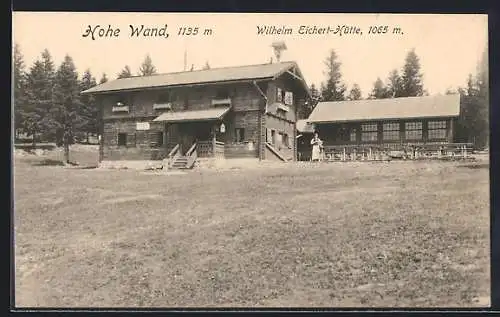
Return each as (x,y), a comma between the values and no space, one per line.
(156,138)
(436,130)
(164,100)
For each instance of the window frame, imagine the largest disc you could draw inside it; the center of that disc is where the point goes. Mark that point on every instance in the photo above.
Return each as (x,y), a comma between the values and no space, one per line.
(391,128)
(239,135)
(158,136)
(125,138)
(369,129)
(442,126)
(414,126)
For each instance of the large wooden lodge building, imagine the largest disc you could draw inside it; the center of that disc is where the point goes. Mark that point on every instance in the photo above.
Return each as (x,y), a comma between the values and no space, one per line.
(231,112)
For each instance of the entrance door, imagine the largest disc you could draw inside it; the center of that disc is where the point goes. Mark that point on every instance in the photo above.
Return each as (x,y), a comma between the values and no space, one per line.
(187,140)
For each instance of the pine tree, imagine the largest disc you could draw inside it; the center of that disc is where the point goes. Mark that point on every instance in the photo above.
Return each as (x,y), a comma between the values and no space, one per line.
(482,84)
(206,66)
(333,89)
(37,118)
(309,105)
(66,103)
(379,90)
(147,67)
(88,110)
(395,85)
(355,93)
(103,79)
(125,73)
(19,85)
(411,81)
(473,123)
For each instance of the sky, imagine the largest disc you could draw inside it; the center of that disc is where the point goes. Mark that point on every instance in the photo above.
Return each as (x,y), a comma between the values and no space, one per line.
(449,45)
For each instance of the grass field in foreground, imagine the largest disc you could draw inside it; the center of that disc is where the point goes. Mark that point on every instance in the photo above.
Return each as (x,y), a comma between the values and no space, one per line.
(366,234)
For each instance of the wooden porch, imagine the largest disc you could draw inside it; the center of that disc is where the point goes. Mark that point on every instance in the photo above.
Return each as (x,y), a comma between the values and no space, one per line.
(201,149)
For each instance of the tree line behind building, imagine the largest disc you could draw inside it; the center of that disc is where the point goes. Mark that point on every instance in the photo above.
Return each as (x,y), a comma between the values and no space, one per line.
(48,105)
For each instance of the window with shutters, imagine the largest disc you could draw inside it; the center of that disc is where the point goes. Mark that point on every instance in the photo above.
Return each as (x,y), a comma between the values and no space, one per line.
(156,139)
(288,98)
(369,132)
(122,139)
(285,140)
(413,130)
(437,130)
(391,131)
(239,135)
(279,95)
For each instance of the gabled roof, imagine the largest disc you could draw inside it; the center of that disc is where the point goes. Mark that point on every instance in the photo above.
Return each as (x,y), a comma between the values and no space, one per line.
(193,115)
(214,75)
(391,108)
(303,126)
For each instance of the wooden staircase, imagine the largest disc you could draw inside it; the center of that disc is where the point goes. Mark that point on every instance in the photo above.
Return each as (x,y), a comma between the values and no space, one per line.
(176,161)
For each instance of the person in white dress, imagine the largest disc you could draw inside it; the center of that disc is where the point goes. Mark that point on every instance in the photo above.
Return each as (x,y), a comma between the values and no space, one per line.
(317,146)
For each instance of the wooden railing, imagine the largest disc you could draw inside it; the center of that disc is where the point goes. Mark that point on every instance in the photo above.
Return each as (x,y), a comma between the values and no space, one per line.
(219,149)
(413,151)
(210,149)
(192,155)
(204,149)
(173,155)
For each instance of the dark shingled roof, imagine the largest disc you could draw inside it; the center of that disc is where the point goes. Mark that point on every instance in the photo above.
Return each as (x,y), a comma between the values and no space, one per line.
(391,108)
(214,75)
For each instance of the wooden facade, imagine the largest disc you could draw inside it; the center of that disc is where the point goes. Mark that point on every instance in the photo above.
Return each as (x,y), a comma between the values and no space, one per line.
(412,131)
(371,129)
(258,115)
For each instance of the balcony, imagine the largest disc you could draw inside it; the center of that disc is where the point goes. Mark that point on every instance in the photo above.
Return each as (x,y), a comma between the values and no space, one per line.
(162,106)
(283,107)
(221,101)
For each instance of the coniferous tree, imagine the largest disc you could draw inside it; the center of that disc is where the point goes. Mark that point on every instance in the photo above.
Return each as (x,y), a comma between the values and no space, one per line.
(355,93)
(103,79)
(395,85)
(147,68)
(379,90)
(67,103)
(88,110)
(37,118)
(206,66)
(308,107)
(411,80)
(19,86)
(333,89)
(125,73)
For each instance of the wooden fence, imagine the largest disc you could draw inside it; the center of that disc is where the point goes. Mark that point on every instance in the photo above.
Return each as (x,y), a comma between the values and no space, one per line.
(415,151)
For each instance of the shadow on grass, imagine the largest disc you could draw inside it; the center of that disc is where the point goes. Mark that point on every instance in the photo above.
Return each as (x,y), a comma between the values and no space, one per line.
(477,166)
(48,162)
(30,147)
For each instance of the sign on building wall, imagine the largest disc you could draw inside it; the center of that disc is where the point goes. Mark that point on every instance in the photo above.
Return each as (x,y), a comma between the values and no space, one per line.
(142,126)
(222,128)
(288,98)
